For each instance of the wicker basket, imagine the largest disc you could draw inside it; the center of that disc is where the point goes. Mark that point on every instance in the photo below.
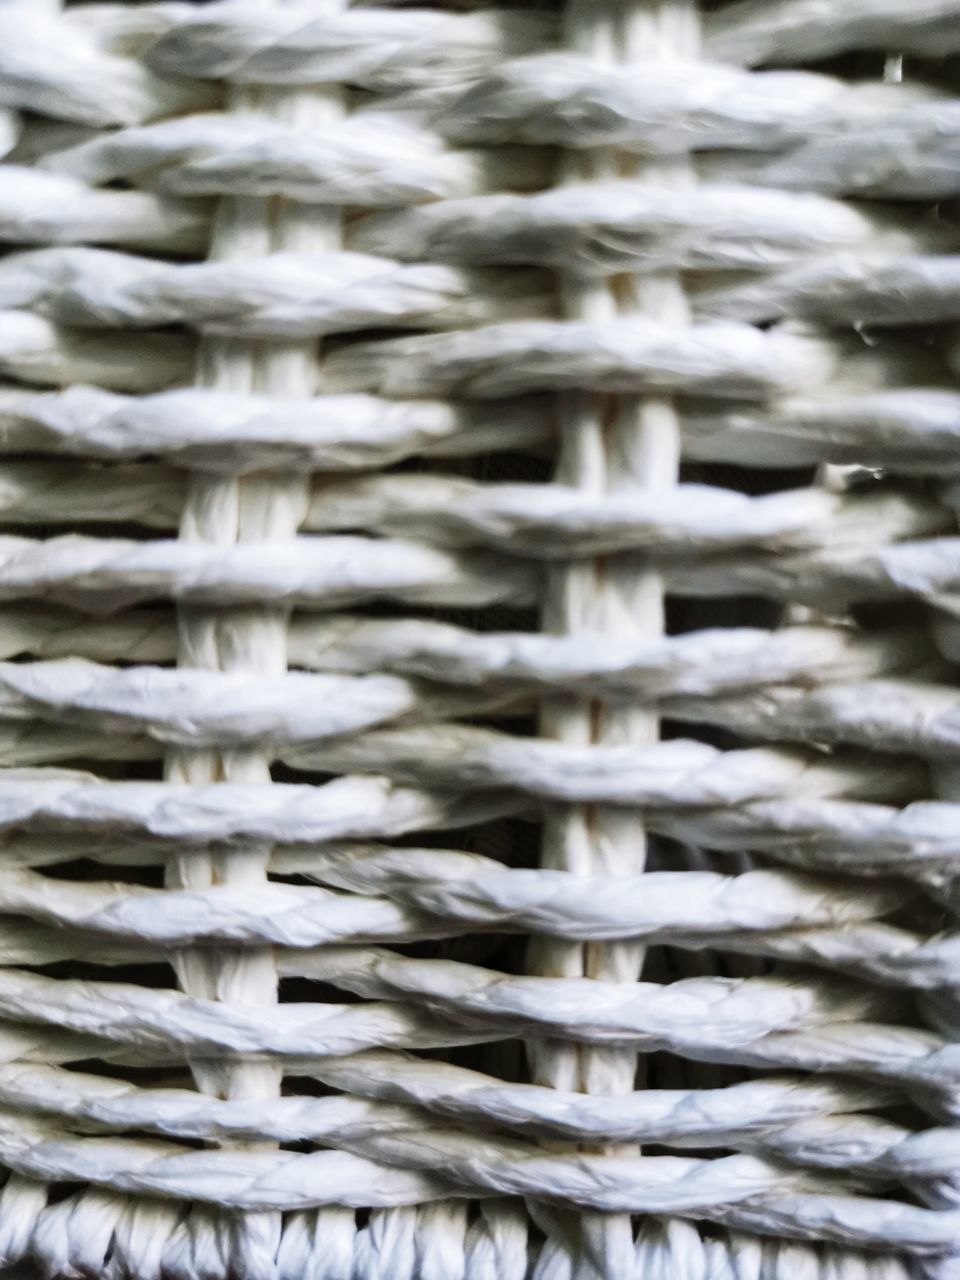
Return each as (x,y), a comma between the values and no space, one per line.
(480,603)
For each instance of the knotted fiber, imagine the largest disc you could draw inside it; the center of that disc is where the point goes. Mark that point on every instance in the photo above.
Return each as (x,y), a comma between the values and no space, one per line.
(479,619)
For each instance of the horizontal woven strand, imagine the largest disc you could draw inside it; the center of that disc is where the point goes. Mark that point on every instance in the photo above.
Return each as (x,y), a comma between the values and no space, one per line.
(882,1149)
(532,901)
(190,708)
(51,208)
(873,289)
(632,354)
(162,701)
(347,808)
(775,1115)
(295,295)
(858,838)
(242,44)
(874,951)
(371,161)
(537,521)
(284,295)
(788,1203)
(879,952)
(558,522)
(94,573)
(215,431)
(701,663)
(674,774)
(759,31)
(321,571)
(722,359)
(599,228)
(375,48)
(59,66)
(424,1003)
(909,429)
(912,1059)
(662,109)
(34,350)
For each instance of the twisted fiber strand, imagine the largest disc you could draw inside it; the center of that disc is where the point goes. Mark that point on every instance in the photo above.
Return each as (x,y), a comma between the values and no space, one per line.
(645,667)
(745,32)
(375,160)
(908,716)
(287,294)
(297,294)
(534,901)
(601,227)
(319,571)
(94,573)
(722,359)
(241,42)
(823,1139)
(63,65)
(212,154)
(546,521)
(626,354)
(856,835)
(374,48)
(777,1114)
(674,774)
(881,952)
(602,224)
(770,1104)
(561,521)
(712,105)
(907,429)
(220,432)
(55,64)
(52,208)
(401,1077)
(666,1183)
(918,1061)
(436,1002)
(794,1203)
(690,105)
(187,706)
(783,30)
(686,105)
(130,933)
(848,288)
(683,665)
(34,350)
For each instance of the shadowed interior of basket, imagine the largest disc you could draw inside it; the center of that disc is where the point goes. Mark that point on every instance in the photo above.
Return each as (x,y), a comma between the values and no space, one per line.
(479,583)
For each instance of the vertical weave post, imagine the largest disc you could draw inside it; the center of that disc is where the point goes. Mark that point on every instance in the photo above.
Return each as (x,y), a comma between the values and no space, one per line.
(610,444)
(255,508)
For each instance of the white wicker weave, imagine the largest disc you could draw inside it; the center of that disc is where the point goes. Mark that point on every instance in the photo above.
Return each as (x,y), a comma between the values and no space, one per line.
(392,886)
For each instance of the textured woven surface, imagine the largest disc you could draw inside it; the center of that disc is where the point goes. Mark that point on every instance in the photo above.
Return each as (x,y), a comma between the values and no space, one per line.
(480,597)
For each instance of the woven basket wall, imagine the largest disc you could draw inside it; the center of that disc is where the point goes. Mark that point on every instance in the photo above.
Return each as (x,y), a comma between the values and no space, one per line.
(479,606)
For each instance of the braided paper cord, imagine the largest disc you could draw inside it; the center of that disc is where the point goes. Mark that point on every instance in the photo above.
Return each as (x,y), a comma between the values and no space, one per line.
(480,584)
